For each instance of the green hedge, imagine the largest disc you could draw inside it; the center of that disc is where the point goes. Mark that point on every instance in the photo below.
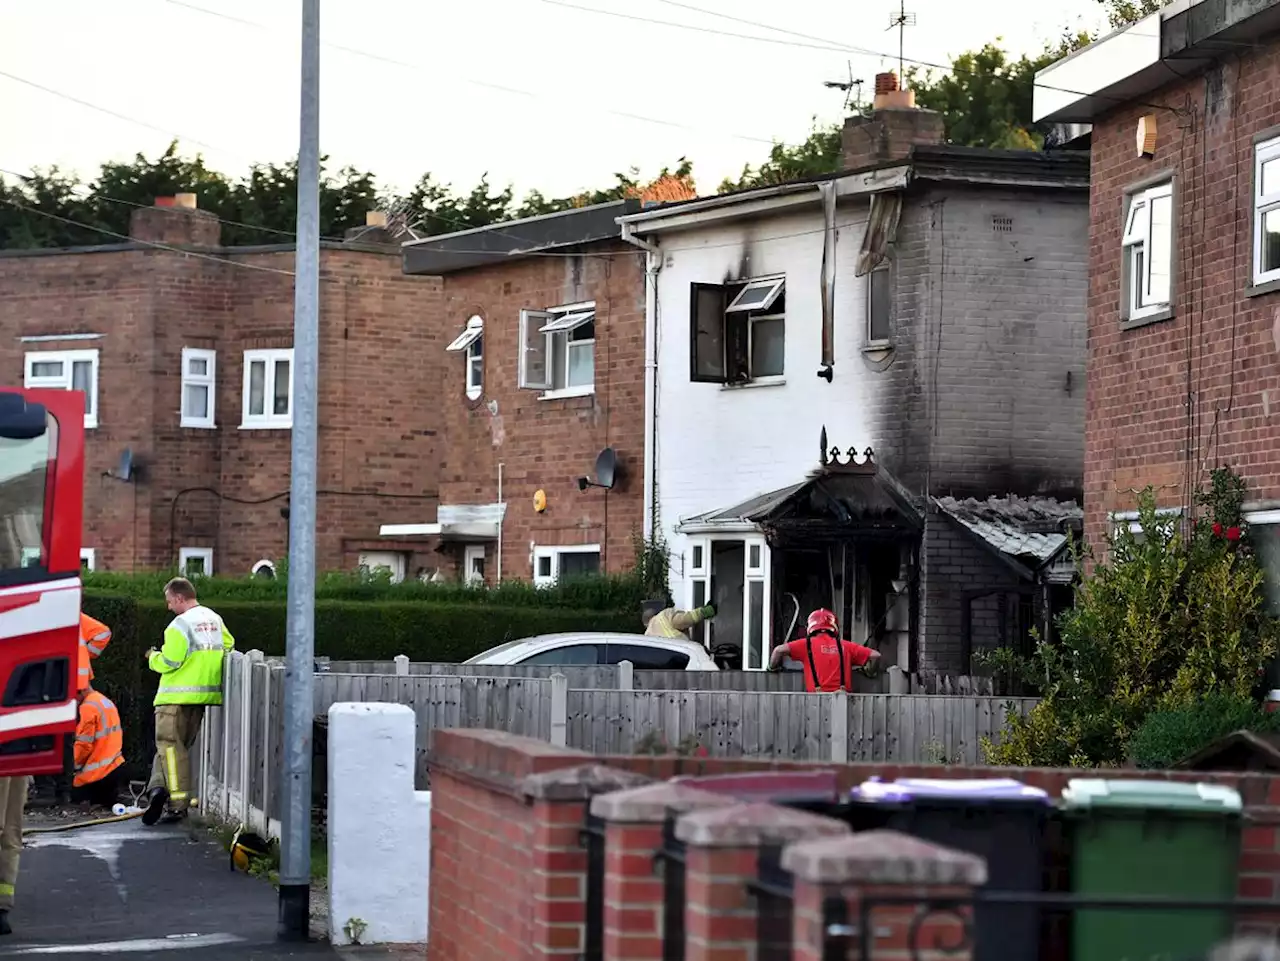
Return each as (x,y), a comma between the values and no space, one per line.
(595,592)
(345,630)
(1167,737)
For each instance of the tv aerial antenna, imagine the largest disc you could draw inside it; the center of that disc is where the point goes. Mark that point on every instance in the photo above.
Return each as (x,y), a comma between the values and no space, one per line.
(901,20)
(852,90)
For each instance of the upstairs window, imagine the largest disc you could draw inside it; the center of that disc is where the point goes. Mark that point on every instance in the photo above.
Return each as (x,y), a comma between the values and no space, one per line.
(66,370)
(471,344)
(268,389)
(879,302)
(1266,212)
(1148,249)
(737,331)
(198,376)
(558,349)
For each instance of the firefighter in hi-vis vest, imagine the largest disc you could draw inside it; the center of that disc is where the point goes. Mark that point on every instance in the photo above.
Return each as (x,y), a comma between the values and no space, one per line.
(99,750)
(190,667)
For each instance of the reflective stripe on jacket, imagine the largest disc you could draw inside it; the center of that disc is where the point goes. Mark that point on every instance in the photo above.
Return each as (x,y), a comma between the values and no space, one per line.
(672,623)
(99,740)
(190,662)
(94,638)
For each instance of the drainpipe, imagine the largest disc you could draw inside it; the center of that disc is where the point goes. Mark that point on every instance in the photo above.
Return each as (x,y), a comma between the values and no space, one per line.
(653,263)
(501,517)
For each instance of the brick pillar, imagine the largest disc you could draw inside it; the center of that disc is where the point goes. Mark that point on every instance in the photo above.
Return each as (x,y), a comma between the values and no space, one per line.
(722,857)
(633,900)
(835,877)
(559,884)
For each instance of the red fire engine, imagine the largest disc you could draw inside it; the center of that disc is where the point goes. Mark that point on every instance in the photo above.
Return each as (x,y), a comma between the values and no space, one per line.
(41,513)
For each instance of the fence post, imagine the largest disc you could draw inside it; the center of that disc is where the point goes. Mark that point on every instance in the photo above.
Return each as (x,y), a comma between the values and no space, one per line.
(626,676)
(838,705)
(246,731)
(899,683)
(402,665)
(231,664)
(559,710)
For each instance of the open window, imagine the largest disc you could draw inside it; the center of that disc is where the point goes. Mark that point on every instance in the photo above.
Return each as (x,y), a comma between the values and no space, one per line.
(1148,246)
(471,343)
(737,331)
(557,349)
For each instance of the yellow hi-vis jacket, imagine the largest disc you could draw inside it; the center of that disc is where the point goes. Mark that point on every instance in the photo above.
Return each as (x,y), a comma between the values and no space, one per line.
(672,623)
(190,662)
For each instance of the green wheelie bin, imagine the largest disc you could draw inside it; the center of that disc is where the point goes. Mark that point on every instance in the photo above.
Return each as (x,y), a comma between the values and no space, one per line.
(1159,839)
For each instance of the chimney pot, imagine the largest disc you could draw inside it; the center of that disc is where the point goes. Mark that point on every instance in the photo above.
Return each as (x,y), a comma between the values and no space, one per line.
(186,201)
(886,82)
(375,218)
(166,202)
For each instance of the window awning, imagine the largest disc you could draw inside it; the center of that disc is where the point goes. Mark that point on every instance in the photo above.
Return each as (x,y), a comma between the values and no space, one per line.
(567,322)
(472,333)
(454,522)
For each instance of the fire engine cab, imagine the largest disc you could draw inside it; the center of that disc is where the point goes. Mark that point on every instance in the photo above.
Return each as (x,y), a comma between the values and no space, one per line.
(41,516)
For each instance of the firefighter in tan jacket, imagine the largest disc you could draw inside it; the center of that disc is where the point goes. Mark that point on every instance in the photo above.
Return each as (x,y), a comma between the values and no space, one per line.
(660,621)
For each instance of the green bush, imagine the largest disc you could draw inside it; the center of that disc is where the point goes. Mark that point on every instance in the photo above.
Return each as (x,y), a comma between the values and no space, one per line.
(618,592)
(345,630)
(1167,737)
(1165,621)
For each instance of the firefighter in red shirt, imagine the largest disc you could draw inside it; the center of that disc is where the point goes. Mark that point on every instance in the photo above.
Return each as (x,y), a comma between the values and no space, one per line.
(828,661)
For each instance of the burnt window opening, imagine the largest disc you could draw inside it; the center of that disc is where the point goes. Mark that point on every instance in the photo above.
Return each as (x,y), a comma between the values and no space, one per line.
(737,331)
(879,305)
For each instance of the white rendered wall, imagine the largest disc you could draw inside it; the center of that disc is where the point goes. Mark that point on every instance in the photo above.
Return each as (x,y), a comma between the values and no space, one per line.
(379,826)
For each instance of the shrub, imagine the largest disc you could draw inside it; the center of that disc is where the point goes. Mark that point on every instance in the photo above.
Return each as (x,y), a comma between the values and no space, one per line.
(345,630)
(1167,737)
(1165,621)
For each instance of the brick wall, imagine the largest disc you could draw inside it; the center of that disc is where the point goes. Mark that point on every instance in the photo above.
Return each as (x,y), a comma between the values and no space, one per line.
(503,821)
(953,565)
(379,404)
(1168,400)
(987,381)
(547,444)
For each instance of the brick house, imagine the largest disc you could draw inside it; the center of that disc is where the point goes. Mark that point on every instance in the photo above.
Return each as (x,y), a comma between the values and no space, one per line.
(1184,294)
(938,295)
(184,350)
(540,334)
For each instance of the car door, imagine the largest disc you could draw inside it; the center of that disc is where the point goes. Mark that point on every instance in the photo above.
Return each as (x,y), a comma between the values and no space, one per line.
(646,658)
(577,655)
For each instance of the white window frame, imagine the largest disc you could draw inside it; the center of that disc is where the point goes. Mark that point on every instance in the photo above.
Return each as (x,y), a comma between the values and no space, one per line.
(470,343)
(776,285)
(1136,243)
(873,341)
(63,381)
(699,574)
(398,567)
(265,420)
(89,558)
(1265,152)
(207,380)
(556,323)
(554,554)
(186,554)
(471,553)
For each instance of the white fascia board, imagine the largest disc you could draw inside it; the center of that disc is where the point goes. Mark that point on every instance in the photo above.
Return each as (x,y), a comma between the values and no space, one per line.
(769,200)
(1080,85)
(408,530)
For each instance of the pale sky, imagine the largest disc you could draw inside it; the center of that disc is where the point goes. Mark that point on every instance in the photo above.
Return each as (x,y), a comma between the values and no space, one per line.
(521,89)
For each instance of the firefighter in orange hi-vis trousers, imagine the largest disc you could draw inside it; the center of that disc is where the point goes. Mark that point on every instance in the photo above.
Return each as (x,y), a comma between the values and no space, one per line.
(13,798)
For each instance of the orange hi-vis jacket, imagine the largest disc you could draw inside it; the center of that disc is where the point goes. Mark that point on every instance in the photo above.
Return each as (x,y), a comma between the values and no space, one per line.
(99,740)
(94,637)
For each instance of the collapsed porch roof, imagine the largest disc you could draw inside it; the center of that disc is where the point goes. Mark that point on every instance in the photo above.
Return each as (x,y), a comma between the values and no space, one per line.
(1027,533)
(831,502)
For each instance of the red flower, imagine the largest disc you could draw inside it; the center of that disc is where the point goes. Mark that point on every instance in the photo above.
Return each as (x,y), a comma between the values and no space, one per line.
(702,750)
(1233,533)
(1217,530)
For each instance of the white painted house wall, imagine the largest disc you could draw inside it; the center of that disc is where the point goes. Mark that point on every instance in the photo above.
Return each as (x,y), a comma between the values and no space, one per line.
(717,446)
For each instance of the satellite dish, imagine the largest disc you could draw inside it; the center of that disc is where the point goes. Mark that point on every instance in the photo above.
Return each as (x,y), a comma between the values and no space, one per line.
(606,468)
(125,470)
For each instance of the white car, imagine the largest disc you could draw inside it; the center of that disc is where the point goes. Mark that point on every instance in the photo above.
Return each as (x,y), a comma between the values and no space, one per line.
(588,649)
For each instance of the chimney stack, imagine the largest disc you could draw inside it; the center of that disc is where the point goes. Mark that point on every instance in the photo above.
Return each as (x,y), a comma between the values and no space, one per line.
(176,221)
(374,232)
(895,126)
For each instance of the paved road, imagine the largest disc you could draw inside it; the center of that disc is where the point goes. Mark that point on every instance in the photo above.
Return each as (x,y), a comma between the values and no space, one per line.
(148,893)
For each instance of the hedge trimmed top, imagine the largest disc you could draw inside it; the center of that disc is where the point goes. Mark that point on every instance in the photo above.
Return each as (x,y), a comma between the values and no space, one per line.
(589,593)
